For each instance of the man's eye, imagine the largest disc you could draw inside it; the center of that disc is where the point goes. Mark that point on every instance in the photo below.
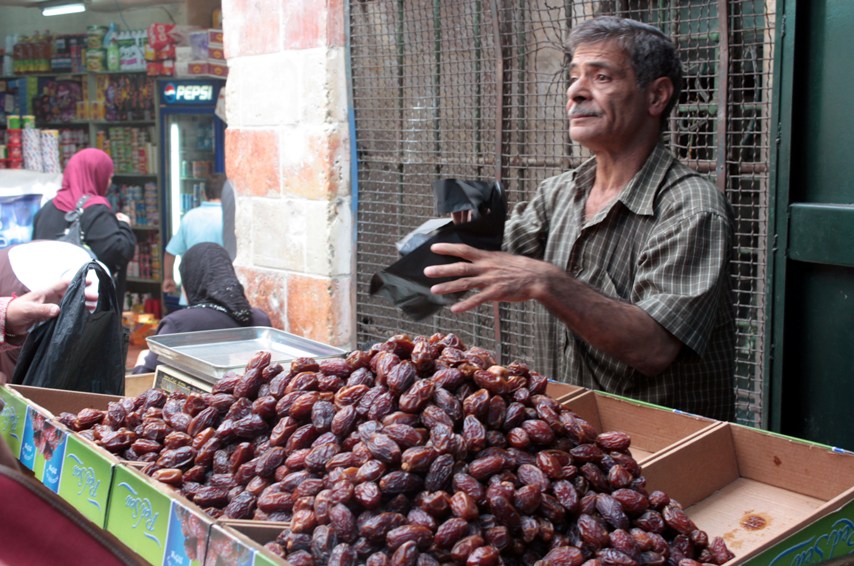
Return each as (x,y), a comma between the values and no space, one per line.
(572,80)
(602,77)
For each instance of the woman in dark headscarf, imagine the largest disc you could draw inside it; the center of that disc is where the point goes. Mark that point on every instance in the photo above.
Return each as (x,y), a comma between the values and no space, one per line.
(215,297)
(108,234)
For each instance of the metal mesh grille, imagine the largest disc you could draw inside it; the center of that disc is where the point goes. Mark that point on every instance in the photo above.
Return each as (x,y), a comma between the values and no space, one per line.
(476,90)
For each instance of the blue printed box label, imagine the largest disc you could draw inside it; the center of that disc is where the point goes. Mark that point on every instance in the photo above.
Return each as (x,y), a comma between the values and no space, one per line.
(188,537)
(41,439)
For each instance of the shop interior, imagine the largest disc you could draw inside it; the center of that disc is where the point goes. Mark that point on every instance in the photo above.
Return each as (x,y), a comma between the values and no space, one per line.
(138,79)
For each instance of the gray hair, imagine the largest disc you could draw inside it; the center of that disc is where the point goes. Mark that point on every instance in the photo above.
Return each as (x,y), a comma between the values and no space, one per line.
(652,53)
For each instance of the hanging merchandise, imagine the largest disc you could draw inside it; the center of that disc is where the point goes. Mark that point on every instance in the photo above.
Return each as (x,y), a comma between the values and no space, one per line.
(32,149)
(50,151)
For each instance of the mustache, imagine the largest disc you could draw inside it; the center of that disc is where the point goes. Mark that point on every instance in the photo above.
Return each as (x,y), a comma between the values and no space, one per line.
(583,111)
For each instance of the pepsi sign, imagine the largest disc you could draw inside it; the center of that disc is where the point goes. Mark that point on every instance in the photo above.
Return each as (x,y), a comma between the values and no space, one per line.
(188,93)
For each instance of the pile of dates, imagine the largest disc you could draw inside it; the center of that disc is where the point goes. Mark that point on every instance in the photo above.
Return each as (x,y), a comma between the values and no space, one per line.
(416,452)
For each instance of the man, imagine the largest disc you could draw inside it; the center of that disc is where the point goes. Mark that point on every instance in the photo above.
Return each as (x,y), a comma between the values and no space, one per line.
(201,224)
(229,237)
(626,256)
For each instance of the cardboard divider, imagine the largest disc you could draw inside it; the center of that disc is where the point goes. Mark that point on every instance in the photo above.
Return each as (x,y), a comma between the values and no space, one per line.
(774,499)
(653,429)
(562,391)
(55,401)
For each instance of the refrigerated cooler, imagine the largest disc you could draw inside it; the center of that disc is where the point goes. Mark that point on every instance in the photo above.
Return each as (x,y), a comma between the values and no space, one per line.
(191,142)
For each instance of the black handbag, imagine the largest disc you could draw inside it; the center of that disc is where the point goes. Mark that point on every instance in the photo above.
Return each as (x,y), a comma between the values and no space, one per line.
(78,350)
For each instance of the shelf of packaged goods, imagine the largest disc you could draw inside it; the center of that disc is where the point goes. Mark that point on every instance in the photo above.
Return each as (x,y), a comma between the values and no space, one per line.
(37,75)
(122,122)
(133,174)
(145,281)
(120,72)
(70,124)
(146,228)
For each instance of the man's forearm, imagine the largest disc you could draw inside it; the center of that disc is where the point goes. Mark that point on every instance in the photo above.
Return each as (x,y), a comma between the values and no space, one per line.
(168,266)
(619,329)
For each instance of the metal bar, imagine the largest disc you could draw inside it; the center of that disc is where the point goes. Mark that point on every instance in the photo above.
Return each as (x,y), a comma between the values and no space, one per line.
(723,90)
(499,144)
(780,191)
(401,117)
(437,84)
(478,92)
(699,165)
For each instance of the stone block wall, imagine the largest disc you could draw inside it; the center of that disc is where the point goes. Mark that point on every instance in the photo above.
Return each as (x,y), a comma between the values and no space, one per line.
(287,150)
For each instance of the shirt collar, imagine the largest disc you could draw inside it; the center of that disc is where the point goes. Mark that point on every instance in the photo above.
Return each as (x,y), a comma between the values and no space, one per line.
(639,194)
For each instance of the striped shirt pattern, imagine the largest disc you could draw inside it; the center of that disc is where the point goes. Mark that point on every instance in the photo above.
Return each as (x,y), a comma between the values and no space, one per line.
(664,245)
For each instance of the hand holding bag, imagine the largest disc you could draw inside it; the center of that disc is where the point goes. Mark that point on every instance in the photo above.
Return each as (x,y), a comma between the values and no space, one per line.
(78,350)
(404,281)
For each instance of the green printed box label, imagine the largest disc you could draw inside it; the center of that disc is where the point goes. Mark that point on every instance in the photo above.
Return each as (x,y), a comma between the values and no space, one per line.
(828,538)
(85,480)
(139,515)
(12,420)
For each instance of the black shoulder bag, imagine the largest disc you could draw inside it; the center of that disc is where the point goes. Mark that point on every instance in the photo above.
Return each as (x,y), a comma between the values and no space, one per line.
(74,231)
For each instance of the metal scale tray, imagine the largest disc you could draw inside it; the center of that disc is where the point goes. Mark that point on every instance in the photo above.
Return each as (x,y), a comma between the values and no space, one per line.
(210,354)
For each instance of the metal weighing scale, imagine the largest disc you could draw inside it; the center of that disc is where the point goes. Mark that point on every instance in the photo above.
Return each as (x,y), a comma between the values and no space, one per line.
(195,361)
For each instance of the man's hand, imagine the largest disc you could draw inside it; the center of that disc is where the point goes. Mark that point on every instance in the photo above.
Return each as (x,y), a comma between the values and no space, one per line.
(169,285)
(496,276)
(122,217)
(34,307)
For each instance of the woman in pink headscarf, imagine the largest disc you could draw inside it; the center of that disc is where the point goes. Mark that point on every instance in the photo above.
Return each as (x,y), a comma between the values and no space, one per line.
(108,234)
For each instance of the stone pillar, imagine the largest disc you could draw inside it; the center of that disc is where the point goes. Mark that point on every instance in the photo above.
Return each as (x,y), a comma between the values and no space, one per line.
(287,150)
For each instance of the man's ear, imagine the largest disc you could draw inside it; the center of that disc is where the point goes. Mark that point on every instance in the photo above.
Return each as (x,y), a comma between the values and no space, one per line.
(659,91)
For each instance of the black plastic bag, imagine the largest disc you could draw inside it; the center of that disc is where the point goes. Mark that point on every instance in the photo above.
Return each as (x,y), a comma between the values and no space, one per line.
(404,281)
(78,350)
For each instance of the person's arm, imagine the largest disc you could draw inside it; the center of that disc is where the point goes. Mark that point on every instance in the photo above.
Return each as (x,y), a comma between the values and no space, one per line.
(619,329)
(112,240)
(169,285)
(19,314)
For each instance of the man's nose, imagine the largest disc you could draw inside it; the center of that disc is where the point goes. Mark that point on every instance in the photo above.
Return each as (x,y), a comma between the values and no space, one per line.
(577,90)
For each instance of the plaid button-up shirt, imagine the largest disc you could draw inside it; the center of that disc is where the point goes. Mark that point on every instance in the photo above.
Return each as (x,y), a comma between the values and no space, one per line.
(664,245)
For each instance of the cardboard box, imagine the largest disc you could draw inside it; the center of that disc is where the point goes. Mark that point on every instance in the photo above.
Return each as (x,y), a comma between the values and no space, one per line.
(155,522)
(562,391)
(77,470)
(774,499)
(653,429)
(138,384)
(208,67)
(204,41)
(242,542)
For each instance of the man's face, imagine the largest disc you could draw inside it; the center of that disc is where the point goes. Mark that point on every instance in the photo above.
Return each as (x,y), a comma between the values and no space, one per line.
(605,105)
